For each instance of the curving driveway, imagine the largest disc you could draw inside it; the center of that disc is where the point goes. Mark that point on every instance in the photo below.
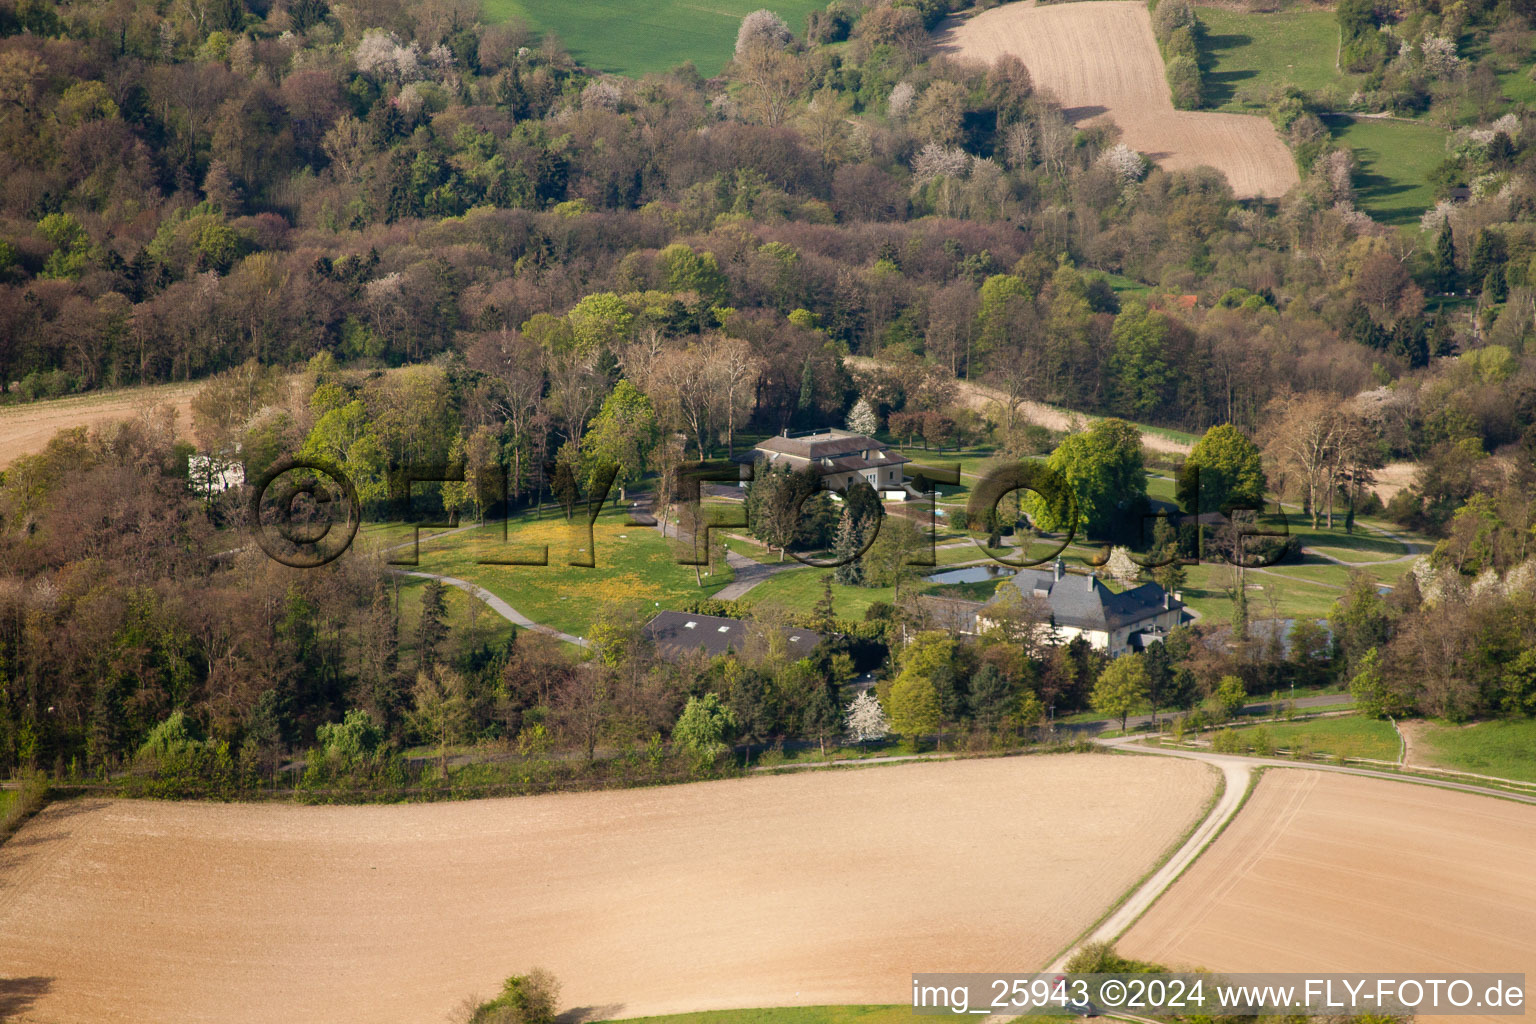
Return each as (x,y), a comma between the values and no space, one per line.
(497,605)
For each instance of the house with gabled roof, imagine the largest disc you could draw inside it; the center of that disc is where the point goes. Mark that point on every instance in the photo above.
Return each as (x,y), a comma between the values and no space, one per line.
(841,457)
(1081,605)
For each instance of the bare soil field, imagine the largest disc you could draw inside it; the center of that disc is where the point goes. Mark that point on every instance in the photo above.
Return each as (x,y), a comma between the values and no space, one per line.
(1393,477)
(1100,59)
(822,887)
(1324,872)
(26,429)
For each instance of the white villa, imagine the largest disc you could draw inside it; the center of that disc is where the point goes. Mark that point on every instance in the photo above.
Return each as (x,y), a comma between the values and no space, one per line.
(841,457)
(1081,605)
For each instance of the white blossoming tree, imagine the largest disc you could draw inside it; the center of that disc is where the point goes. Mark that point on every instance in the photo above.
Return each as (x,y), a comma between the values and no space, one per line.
(601,94)
(1440,60)
(862,418)
(1121,567)
(935,161)
(379,53)
(762,28)
(1125,163)
(902,99)
(866,719)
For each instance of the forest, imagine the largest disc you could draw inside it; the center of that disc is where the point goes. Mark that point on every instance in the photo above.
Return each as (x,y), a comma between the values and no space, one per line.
(387,233)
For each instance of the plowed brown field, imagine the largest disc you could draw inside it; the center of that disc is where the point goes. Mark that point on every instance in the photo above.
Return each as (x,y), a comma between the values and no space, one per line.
(26,429)
(1100,59)
(824,887)
(1323,872)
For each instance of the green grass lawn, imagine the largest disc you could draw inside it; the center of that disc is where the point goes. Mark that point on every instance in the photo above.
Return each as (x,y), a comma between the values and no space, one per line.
(798,591)
(468,617)
(1518,85)
(632,37)
(1127,286)
(1292,599)
(1345,736)
(1246,54)
(1503,748)
(634,566)
(1395,160)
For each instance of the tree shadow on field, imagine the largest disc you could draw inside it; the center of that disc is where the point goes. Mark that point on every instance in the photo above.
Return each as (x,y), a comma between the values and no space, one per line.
(1083,113)
(18,994)
(582,1014)
(1221,86)
(41,829)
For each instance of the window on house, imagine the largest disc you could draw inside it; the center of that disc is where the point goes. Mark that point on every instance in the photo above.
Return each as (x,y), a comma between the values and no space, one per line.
(689,625)
(724,629)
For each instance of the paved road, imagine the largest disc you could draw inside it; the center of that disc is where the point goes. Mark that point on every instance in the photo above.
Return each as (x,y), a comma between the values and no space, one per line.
(749,573)
(497,605)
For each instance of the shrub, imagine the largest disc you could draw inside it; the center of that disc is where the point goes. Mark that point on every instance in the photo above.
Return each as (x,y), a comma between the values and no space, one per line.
(530,998)
(1261,741)
(171,738)
(1177,28)
(1184,82)
(1225,741)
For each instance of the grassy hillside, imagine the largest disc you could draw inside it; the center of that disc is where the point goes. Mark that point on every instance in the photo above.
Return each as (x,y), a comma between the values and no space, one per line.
(1503,748)
(633,37)
(1395,160)
(1348,736)
(1247,54)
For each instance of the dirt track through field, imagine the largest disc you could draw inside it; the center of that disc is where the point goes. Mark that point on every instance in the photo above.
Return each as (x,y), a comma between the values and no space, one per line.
(1100,59)
(823,887)
(27,429)
(1323,872)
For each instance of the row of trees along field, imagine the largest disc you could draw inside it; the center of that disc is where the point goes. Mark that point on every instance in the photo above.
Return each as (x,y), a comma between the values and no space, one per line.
(643,270)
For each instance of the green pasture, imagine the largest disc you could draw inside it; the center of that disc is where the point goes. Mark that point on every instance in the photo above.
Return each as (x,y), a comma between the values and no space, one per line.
(1395,160)
(634,37)
(1518,85)
(1505,748)
(1246,55)
(1345,736)
(634,566)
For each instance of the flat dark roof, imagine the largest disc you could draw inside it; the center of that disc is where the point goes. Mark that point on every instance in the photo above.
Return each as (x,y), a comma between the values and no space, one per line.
(677,633)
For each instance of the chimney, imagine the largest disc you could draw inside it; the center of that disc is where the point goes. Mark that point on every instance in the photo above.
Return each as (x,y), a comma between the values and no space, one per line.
(1059,569)
(1167,601)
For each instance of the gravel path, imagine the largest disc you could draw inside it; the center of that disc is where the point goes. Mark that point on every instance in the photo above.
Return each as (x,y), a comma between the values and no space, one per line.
(496,605)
